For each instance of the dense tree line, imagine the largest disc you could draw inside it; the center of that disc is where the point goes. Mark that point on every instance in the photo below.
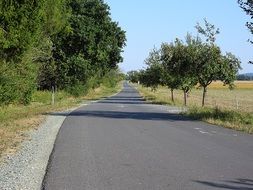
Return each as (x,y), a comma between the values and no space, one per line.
(244,77)
(185,64)
(71,44)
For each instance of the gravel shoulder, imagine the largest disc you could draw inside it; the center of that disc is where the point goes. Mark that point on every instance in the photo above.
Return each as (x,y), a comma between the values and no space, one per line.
(124,142)
(26,169)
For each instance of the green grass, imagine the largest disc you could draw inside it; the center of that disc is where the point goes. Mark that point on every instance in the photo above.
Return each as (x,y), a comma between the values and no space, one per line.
(220,109)
(226,118)
(16,120)
(41,103)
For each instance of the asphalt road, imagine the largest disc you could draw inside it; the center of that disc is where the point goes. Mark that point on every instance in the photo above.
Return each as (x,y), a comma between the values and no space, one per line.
(124,143)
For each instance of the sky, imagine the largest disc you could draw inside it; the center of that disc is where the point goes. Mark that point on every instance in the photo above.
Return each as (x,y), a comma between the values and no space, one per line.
(148,23)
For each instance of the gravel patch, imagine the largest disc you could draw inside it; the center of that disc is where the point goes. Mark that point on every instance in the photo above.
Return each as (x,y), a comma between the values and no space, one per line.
(26,169)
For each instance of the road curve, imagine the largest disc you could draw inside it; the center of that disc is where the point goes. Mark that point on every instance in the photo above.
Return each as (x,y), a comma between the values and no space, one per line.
(124,143)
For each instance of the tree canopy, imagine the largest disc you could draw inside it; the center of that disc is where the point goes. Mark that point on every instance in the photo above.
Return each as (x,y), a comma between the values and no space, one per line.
(247,6)
(186,64)
(64,43)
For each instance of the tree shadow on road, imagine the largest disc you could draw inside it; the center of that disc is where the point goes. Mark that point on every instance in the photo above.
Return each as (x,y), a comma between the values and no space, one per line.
(154,116)
(123,102)
(237,184)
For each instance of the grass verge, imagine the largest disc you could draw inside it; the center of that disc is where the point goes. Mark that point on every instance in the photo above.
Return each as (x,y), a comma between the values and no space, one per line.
(227,118)
(221,116)
(16,120)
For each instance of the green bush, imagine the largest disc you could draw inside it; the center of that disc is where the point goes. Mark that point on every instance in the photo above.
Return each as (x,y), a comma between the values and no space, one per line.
(93,82)
(45,97)
(17,83)
(111,79)
(77,90)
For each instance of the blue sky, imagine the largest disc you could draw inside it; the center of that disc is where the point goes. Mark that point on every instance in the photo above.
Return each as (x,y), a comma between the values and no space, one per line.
(148,23)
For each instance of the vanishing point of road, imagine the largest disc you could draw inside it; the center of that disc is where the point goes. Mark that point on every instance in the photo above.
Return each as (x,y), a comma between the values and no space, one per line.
(125,143)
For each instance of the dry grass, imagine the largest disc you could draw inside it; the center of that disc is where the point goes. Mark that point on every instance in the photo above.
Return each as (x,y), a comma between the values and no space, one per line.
(238,85)
(238,99)
(16,120)
(12,133)
(235,106)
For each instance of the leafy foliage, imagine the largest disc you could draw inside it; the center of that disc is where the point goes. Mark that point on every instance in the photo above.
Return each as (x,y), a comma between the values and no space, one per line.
(169,78)
(211,64)
(209,31)
(178,65)
(92,47)
(71,44)
(247,6)
(183,65)
(133,76)
(20,27)
(152,76)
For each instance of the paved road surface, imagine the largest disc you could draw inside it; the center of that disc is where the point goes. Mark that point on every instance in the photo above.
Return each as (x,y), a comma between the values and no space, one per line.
(123,143)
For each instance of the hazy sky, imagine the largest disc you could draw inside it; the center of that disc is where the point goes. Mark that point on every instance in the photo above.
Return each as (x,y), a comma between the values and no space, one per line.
(148,23)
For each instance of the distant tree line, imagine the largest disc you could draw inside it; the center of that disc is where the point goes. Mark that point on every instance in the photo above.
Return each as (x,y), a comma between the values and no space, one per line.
(244,77)
(185,64)
(69,44)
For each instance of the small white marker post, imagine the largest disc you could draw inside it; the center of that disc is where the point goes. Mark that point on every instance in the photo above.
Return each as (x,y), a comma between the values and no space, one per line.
(53,95)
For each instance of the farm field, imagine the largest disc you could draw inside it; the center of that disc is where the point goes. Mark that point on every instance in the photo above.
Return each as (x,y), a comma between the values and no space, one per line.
(224,107)
(240,98)
(238,85)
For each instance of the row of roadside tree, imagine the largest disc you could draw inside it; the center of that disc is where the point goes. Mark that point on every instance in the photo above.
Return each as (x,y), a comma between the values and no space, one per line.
(69,44)
(185,64)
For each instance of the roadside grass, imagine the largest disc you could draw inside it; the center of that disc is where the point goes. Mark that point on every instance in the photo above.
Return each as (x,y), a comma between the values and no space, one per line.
(230,109)
(226,118)
(16,120)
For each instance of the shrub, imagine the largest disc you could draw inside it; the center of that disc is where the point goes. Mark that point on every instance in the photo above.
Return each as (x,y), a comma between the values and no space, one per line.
(77,90)
(111,79)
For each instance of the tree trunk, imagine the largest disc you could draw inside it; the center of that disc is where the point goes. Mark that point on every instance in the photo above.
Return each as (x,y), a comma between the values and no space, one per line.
(185,98)
(204,96)
(172,95)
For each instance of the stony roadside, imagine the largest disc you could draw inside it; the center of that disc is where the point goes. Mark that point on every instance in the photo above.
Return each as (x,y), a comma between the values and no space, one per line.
(26,169)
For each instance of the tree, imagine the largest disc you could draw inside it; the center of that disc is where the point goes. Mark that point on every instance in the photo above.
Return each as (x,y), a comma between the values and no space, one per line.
(178,63)
(209,31)
(208,58)
(183,60)
(55,42)
(133,76)
(154,57)
(21,30)
(171,82)
(182,65)
(26,29)
(94,38)
(210,65)
(152,76)
(168,78)
(247,6)
(55,15)
(229,69)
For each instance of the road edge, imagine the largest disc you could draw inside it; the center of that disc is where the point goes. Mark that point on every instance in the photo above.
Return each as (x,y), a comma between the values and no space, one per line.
(26,169)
